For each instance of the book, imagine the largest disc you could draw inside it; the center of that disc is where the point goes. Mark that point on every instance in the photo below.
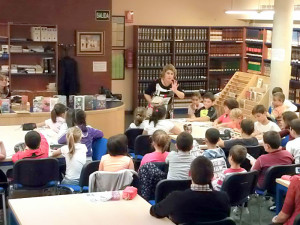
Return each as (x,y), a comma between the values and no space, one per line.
(36,33)
(24,101)
(79,102)
(5,105)
(53,101)
(37,104)
(61,99)
(71,101)
(88,102)
(102,101)
(259,83)
(46,104)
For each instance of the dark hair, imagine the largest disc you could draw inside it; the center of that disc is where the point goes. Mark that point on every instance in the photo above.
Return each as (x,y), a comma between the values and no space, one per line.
(159,112)
(139,115)
(209,95)
(162,140)
(231,103)
(279,95)
(70,118)
(80,119)
(33,140)
(238,153)
(184,141)
(202,170)
(212,135)
(295,125)
(288,117)
(259,109)
(247,126)
(57,110)
(196,94)
(273,139)
(277,89)
(117,145)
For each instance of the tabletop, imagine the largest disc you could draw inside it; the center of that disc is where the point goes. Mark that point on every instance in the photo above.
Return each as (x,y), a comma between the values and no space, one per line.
(285,183)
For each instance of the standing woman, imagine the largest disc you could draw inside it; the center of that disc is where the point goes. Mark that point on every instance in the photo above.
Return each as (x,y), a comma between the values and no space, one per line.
(4,90)
(163,89)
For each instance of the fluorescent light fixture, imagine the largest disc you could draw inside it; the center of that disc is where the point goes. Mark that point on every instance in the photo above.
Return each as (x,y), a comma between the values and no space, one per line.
(244,12)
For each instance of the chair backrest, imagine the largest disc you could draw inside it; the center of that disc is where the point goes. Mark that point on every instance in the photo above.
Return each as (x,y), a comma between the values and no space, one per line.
(226,221)
(165,187)
(142,145)
(239,186)
(99,148)
(162,166)
(87,169)
(131,135)
(274,172)
(36,173)
(255,152)
(297,220)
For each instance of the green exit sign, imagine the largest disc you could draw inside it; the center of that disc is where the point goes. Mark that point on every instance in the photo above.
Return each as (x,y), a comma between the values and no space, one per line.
(102,15)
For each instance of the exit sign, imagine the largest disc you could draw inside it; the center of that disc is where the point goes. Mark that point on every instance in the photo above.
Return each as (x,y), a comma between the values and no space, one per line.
(102,15)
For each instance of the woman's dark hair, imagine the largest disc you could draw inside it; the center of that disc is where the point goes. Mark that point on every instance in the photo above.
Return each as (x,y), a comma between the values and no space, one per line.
(202,170)
(117,145)
(57,110)
(80,119)
(287,117)
(70,118)
(159,112)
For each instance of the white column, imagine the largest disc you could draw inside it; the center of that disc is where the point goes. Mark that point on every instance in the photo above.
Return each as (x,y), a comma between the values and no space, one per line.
(281,45)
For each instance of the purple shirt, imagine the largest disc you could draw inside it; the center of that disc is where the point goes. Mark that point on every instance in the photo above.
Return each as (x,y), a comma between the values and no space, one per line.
(88,137)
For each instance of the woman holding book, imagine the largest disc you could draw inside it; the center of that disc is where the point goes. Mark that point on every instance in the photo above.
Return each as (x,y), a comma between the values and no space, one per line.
(162,90)
(4,82)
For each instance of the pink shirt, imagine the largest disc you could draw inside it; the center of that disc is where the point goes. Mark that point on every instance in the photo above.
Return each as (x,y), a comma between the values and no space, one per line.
(115,163)
(154,157)
(224,118)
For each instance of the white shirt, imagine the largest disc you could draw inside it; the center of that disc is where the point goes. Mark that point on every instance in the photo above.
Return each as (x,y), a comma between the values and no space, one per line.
(63,130)
(294,148)
(271,126)
(165,125)
(74,165)
(142,125)
(289,106)
(55,126)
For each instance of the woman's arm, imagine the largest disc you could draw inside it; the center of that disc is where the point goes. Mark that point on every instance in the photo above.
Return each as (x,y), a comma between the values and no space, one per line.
(174,88)
(175,130)
(56,153)
(179,94)
(41,124)
(3,151)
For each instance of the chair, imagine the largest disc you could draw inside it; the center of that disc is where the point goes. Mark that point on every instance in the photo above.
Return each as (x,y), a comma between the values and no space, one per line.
(297,220)
(2,192)
(226,221)
(131,135)
(142,146)
(239,187)
(255,152)
(99,148)
(162,166)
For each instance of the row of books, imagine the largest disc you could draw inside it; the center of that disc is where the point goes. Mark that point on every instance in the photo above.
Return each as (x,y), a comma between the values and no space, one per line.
(254,35)
(294,95)
(191,60)
(193,74)
(156,47)
(153,61)
(191,34)
(23,49)
(43,34)
(295,55)
(142,102)
(225,50)
(254,49)
(190,47)
(152,74)
(295,74)
(226,34)
(224,66)
(193,86)
(155,33)
(254,66)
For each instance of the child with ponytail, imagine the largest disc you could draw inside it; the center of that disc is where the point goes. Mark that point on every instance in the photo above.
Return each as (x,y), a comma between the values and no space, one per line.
(75,154)
(139,118)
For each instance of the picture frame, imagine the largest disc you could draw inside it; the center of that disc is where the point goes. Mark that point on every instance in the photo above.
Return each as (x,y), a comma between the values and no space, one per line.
(118,64)
(89,43)
(118,31)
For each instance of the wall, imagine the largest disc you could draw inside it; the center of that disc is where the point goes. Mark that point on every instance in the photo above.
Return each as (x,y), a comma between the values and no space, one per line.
(168,12)
(69,15)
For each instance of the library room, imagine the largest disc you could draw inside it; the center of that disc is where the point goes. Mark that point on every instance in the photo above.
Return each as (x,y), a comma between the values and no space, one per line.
(160,112)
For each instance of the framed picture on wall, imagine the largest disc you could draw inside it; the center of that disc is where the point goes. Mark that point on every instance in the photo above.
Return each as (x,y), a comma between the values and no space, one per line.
(118,64)
(89,43)
(118,31)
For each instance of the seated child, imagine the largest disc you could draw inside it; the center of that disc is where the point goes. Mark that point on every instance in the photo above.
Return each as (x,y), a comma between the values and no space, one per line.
(139,118)
(294,146)
(37,147)
(180,161)
(247,128)
(237,154)
(196,104)
(157,122)
(276,156)
(2,151)
(278,107)
(263,124)
(200,203)
(117,158)
(236,116)
(57,118)
(287,118)
(212,136)
(75,155)
(229,104)
(161,145)
(208,111)
(287,103)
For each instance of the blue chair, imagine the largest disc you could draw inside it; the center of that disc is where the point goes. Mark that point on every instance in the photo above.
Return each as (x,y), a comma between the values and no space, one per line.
(285,140)
(99,148)
(255,152)
(226,221)
(131,135)
(142,146)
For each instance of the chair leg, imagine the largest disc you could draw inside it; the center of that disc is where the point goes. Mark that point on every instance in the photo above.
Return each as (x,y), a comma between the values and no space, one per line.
(4,209)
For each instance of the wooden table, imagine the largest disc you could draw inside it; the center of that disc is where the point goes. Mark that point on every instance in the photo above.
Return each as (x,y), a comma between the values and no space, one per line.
(78,209)
(281,189)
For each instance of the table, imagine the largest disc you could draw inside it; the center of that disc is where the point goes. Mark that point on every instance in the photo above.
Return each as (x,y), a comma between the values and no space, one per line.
(281,189)
(78,209)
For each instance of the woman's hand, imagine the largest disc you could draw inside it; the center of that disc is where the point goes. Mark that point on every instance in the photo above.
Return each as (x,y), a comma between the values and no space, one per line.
(174,86)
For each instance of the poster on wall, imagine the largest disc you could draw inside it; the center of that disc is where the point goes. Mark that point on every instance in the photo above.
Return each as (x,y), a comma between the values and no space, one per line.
(118,31)
(89,43)
(118,64)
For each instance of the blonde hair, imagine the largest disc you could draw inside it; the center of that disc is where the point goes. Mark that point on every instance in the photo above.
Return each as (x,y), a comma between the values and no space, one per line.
(236,113)
(73,136)
(166,68)
(139,115)
(162,140)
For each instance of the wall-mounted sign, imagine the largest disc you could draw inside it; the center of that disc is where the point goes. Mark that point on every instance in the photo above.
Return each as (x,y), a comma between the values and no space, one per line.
(102,15)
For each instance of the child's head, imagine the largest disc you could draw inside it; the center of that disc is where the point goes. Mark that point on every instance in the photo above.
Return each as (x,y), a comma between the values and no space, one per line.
(212,136)
(161,141)
(139,115)
(70,118)
(117,145)
(277,89)
(278,99)
(237,154)
(74,135)
(208,99)
(33,140)
(230,104)
(202,170)
(236,115)
(272,141)
(184,142)
(260,113)
(196,98)
(247,126)
(158,113)
(80,119)
(58,110)
(287,117)
(295,126)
